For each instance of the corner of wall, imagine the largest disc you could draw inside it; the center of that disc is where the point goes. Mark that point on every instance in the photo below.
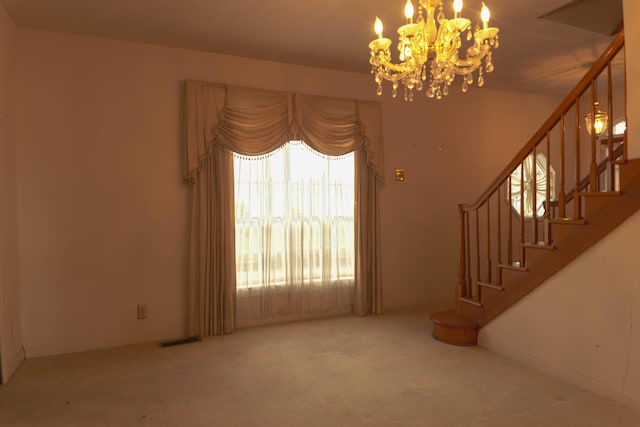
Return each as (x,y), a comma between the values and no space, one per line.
(13,364)
(11,349)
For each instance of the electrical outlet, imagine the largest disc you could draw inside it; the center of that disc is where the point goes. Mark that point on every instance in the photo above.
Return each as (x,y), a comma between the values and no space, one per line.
(142,311)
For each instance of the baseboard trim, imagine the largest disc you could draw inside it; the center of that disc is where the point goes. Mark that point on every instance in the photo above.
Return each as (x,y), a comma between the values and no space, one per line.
(564,374)
(92,344)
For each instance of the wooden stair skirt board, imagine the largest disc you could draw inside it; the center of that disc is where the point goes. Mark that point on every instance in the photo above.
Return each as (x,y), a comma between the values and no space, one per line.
(450,328)
(570,239)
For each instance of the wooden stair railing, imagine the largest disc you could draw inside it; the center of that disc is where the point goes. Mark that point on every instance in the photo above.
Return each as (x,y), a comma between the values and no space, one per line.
(545,207)
(618,153)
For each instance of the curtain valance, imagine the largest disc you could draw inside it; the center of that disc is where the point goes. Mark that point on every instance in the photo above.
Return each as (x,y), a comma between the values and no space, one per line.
(254,121)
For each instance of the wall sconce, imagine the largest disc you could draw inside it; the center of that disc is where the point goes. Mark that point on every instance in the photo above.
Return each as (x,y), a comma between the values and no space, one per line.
(399,174)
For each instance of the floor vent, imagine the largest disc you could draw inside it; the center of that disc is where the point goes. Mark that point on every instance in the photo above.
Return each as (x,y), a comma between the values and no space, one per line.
(179,342)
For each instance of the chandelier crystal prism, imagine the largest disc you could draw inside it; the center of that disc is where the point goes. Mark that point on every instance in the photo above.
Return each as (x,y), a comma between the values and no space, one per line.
(428,48)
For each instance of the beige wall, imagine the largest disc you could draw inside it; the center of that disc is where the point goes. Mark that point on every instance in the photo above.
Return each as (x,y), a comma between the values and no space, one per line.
(583,323)
(11,353)
(103,213)
(451,151)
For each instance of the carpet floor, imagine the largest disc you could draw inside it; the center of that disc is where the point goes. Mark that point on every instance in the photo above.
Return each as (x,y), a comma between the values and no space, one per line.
(342,371)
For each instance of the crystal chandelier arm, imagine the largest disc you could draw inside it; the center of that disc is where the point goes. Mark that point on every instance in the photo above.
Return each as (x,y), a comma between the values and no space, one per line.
(471,62)
(393,72)
(388,68)
(412,50)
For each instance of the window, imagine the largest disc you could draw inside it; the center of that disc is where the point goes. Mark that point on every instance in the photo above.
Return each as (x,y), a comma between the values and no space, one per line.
(541,181)
(294,218)
(619,126)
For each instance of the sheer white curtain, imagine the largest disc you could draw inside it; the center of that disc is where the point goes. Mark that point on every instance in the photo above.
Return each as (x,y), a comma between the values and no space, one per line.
(294,226)
(222,119)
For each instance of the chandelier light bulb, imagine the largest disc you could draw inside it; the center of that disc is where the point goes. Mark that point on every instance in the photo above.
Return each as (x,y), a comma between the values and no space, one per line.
(485,14)
(377,27)
(408,10)
(457,7)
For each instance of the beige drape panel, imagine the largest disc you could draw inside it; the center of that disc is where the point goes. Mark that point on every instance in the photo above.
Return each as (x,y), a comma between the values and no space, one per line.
(222,119)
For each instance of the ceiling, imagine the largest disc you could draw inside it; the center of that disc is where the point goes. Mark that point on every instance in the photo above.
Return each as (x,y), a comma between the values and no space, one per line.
(546,56)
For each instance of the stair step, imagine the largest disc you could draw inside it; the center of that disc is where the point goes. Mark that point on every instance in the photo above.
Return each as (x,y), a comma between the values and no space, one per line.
(539,245)
(567,221)
(599,193)
(515,267)
(472,300)
(451,328)
(491,286)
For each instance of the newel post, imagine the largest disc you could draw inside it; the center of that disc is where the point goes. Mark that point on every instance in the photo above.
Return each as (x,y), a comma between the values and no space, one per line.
(460,287)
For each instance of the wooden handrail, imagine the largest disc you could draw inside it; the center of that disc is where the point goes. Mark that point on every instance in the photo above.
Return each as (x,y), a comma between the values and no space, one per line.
(554,118)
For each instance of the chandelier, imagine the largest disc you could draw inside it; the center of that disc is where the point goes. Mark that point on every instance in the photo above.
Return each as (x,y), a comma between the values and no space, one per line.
(429,47)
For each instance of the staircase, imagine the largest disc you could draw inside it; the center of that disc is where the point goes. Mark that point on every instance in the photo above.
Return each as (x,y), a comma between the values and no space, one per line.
(569,186)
